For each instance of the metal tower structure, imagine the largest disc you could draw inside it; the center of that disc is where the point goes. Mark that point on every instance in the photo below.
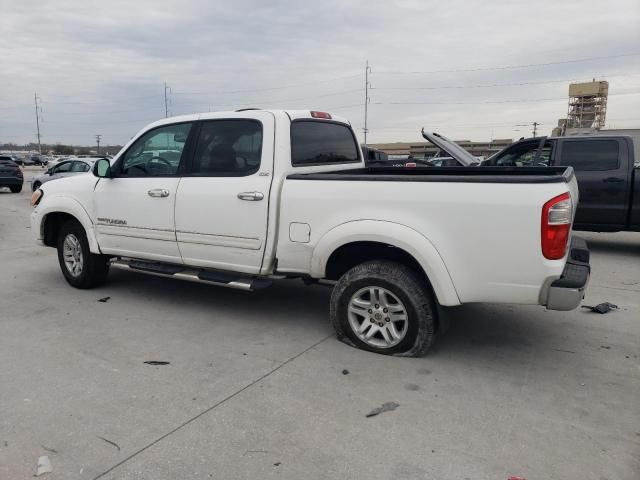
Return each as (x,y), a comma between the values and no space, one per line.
(587,104)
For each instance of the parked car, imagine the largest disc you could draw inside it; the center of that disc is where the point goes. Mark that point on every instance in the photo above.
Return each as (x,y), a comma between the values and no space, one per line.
(22,160)
(607,172)
(10,174)
(262,195)
(63,169)
(38,160)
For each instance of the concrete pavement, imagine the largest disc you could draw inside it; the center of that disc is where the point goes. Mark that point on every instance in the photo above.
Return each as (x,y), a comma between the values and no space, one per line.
(255,388)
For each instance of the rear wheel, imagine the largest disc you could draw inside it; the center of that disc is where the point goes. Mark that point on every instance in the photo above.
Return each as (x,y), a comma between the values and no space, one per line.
(80,267)
(384,307)
(15,188)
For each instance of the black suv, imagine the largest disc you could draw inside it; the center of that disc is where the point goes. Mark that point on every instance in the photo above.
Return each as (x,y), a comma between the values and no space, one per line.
(10,174)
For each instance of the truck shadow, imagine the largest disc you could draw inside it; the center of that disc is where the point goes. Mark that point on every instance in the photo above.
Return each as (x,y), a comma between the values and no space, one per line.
(286,302)
(498,332)
(477,330)
(616,246)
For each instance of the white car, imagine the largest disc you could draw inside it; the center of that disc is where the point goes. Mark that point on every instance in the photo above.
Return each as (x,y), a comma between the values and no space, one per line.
(62,169)
(239,199)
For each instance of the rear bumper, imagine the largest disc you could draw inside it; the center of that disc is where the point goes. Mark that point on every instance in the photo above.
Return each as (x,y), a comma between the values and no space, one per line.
(567,292)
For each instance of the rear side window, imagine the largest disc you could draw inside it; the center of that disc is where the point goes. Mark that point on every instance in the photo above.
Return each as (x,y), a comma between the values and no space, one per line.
(229,148)
(321,142)
(591,155)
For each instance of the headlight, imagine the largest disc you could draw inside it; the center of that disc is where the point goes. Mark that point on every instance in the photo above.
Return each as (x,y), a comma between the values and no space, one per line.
(36,197)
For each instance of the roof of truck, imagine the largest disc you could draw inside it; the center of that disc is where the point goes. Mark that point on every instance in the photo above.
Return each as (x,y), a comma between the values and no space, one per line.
(292,114)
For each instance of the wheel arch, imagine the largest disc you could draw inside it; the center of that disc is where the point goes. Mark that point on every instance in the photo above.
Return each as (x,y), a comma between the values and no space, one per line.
(66,209)
(352,243)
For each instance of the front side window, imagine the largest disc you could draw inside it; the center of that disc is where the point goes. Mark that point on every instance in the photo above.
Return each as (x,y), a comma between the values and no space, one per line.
(228,148)
(316,142)
(524,155)
(590,155)
(156,153)
(79,167)
(63,168)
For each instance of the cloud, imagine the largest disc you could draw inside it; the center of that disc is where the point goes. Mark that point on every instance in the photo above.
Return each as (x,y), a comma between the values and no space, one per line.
(100,67)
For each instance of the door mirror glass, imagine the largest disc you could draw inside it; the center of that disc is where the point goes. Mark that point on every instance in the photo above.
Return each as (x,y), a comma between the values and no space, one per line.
(102,168)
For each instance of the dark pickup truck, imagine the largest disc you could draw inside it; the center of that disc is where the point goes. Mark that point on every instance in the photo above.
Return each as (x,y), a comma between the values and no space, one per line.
(606,168)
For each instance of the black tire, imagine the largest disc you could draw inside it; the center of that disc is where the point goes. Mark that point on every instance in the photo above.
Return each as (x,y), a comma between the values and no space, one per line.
(94,268)
(407,286)
(35,186)
(15,188)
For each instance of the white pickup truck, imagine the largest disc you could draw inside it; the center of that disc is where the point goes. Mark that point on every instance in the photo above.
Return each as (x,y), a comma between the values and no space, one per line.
(241,198)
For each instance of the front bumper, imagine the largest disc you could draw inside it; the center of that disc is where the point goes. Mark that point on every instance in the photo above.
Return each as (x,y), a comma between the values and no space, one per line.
(567,292)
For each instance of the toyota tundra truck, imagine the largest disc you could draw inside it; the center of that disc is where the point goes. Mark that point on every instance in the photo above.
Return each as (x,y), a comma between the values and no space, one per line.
(240,199)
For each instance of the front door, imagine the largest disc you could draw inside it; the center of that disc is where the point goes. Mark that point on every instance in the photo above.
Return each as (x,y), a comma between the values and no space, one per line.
(223,200)
(134,210)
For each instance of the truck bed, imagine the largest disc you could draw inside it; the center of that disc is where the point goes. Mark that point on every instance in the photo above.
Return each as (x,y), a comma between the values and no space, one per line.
(446,174)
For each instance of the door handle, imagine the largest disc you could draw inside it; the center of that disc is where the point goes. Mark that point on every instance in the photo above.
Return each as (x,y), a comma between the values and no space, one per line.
(613,179)
(251,196)
(158,192)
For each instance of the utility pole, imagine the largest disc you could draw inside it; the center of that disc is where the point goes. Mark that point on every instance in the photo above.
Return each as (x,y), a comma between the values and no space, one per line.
(35,99)
(98,137)
(367,85)
(535,128)
(166,101)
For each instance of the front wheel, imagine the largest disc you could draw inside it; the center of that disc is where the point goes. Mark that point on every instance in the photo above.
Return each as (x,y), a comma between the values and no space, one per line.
(15,188)
(384,307)
(35,186)
(80,267)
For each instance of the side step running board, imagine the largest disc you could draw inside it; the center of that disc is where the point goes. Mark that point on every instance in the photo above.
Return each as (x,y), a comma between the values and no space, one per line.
(210,277)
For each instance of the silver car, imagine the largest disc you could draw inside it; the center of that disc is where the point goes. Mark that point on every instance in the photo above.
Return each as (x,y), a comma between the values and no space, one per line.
(63,169)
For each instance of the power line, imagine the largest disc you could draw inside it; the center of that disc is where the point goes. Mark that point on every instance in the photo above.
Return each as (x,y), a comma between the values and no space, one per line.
(491,85)
(329,80)
(508,67)
(488,102)
(201,102)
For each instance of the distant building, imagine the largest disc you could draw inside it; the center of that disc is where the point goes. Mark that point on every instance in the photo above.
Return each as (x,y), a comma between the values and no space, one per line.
(427,150)
(587,109)
(587,104)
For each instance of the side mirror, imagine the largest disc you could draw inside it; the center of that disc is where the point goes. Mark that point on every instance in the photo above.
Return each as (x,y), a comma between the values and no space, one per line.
(102,168)
(49,172)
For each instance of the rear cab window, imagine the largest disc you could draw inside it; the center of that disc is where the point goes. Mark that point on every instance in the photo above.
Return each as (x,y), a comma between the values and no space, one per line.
(322,142)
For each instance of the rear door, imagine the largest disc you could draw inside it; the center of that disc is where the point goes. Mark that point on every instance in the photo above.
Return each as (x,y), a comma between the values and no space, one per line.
(223,200)
(601,167)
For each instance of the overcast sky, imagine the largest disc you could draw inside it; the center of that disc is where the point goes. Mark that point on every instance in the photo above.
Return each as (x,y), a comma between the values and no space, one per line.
(100,67)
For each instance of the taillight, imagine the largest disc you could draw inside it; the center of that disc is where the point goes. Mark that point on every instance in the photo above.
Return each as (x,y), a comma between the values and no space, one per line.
(411,164)
(324,115)
(557,215)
